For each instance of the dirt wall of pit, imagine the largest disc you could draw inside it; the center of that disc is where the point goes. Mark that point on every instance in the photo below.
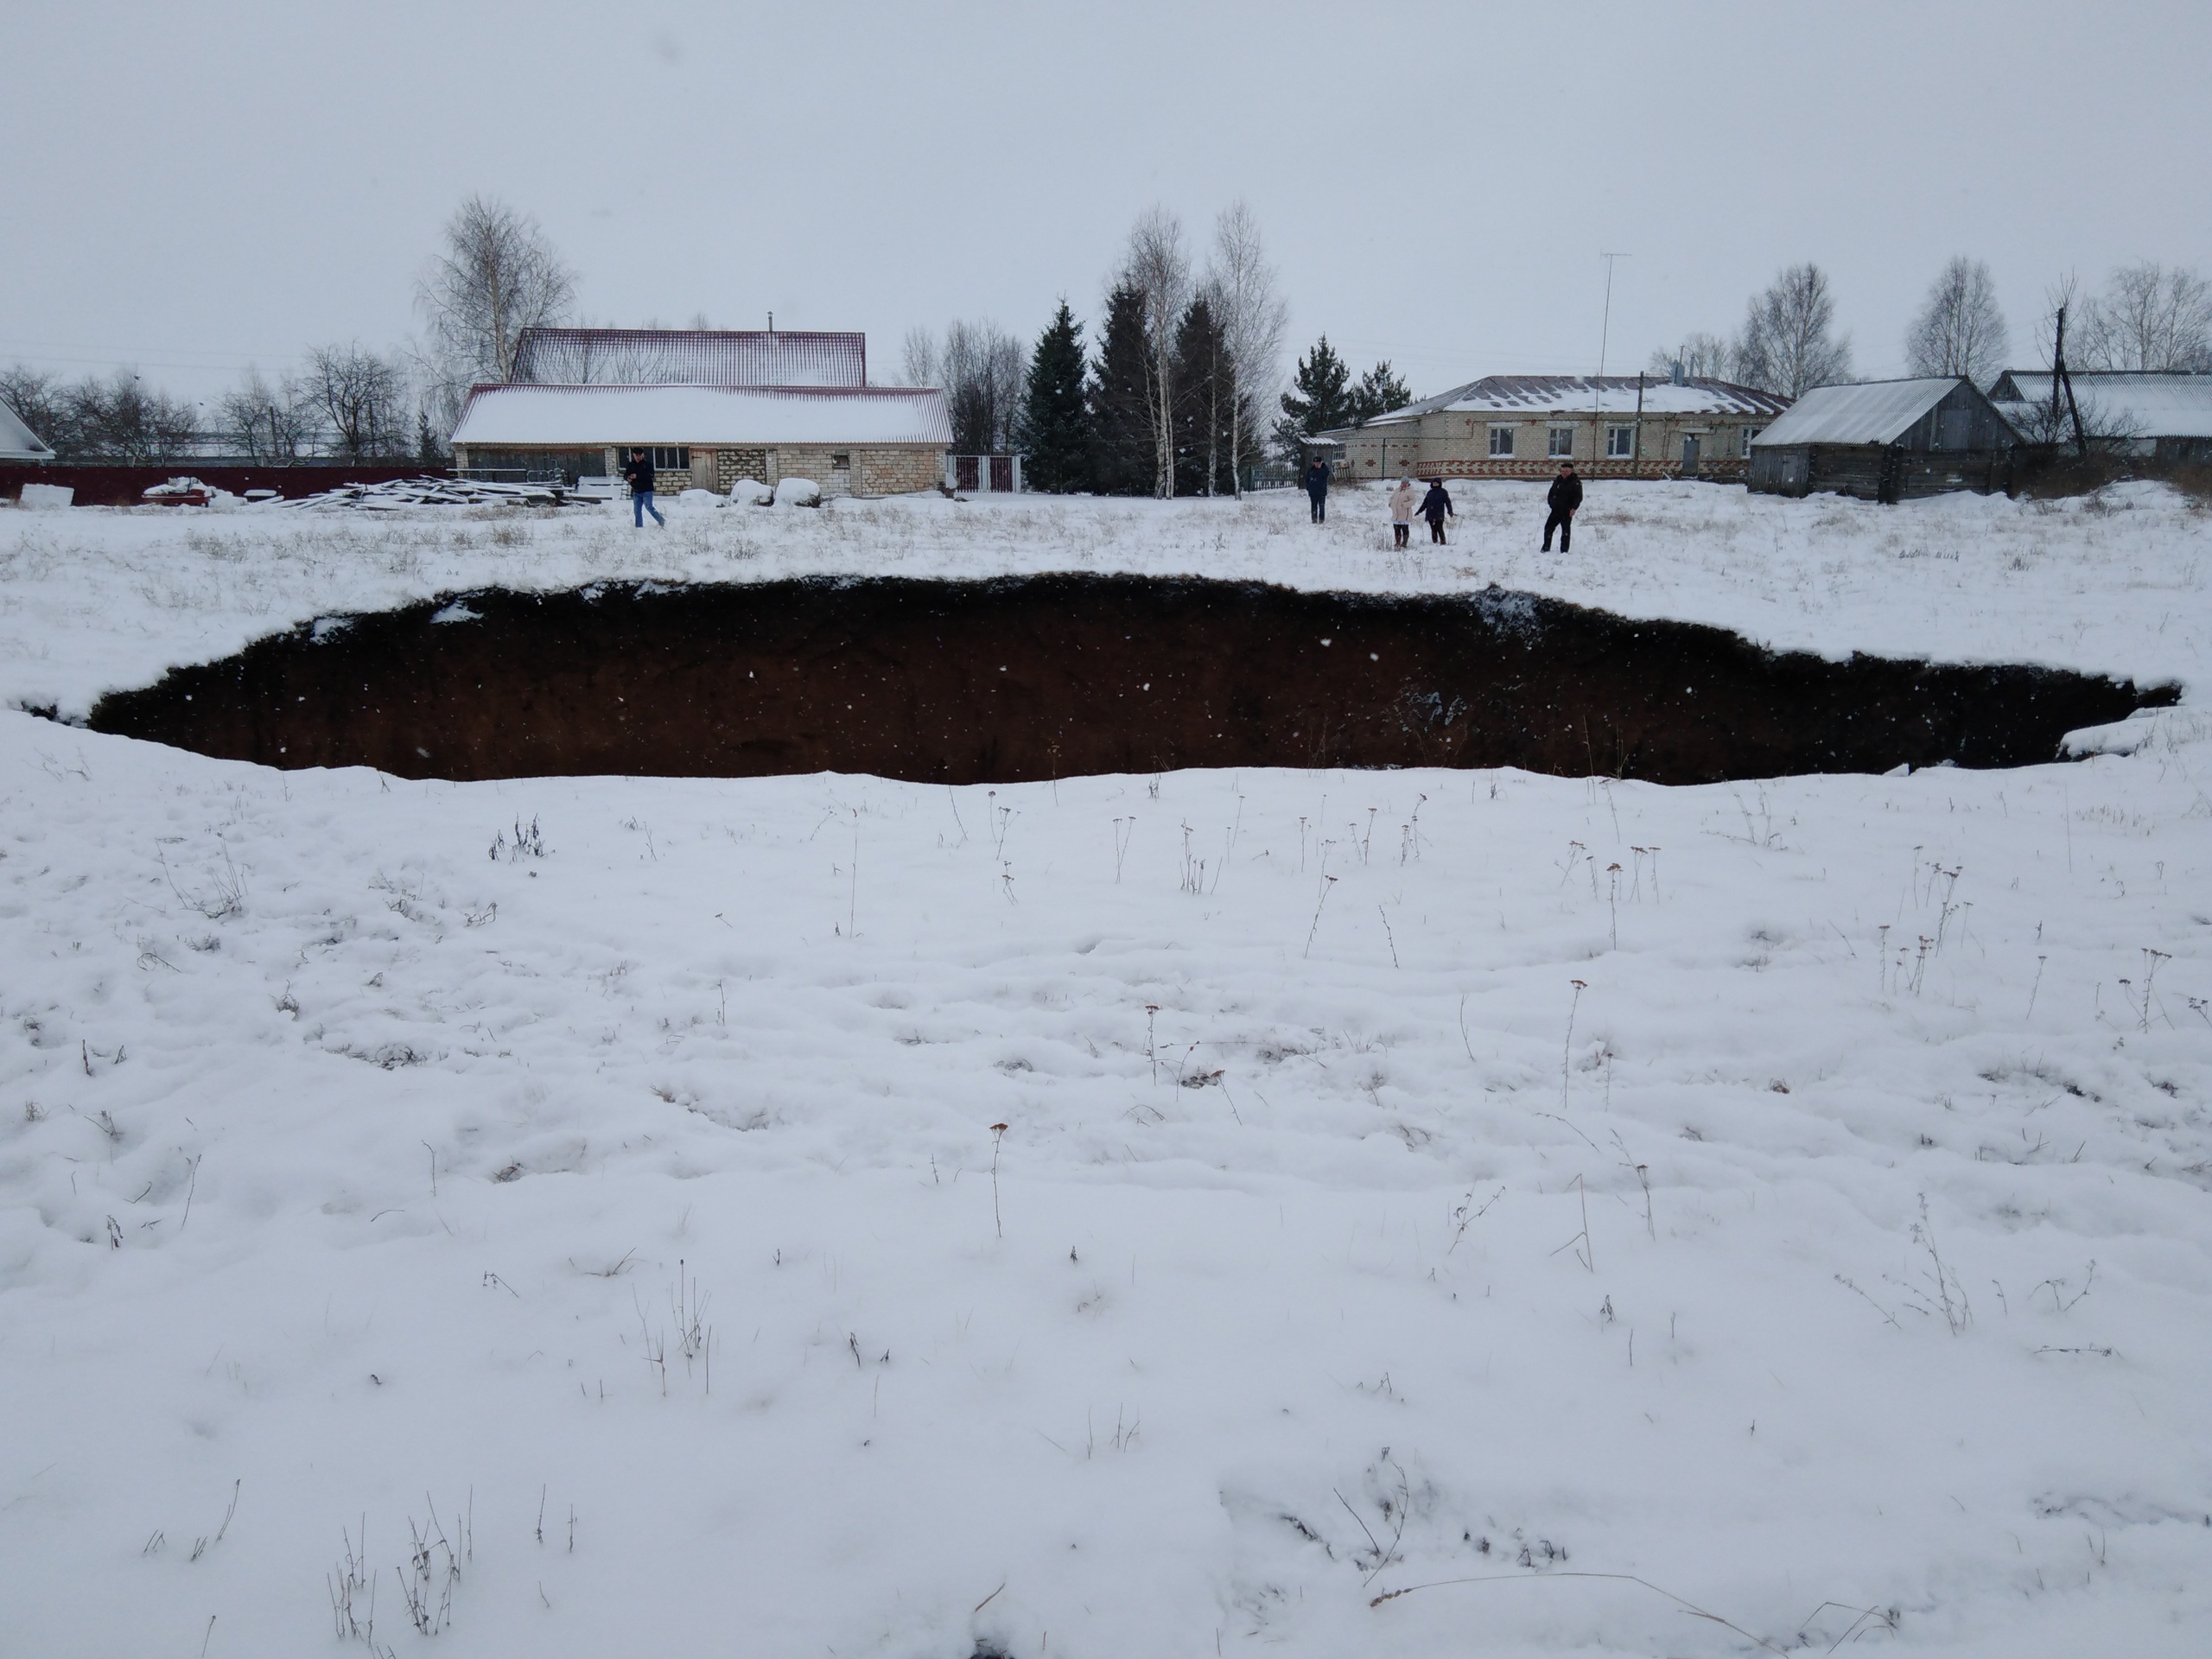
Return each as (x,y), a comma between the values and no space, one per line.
(1030,678)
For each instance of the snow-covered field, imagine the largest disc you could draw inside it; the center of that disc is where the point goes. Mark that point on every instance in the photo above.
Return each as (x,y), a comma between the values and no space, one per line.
(1434,1213)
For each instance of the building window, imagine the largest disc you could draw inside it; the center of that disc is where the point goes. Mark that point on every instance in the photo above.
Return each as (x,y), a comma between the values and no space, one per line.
(1500,440)
(1750,432)
(841,461)
(1620,443)
(671,457)
(1562,444)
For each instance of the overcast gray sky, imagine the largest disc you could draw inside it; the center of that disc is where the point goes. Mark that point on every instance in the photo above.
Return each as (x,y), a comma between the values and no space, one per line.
(192,188)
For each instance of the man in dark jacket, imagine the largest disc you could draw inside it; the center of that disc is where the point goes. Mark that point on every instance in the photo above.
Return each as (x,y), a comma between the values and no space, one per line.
(1317,488)
(639,476)
(1565,495)
(1436,508)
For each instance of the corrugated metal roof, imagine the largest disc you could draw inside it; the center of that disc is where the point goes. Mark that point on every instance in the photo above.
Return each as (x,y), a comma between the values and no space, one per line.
(18,441)
(2141,405)
(1582,394)
(1871,411)
(695,357)
(596,416)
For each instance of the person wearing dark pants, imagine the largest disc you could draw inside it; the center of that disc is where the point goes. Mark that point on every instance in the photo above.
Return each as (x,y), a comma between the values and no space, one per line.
(1564,498)
(1317,488)
(1436,508)
(1401,511)
(639,476)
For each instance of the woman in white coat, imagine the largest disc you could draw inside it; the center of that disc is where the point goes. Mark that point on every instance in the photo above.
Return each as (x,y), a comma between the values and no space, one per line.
(1401,511)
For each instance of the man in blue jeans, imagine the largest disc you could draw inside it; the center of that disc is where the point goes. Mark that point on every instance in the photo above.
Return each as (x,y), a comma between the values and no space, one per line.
(639,475)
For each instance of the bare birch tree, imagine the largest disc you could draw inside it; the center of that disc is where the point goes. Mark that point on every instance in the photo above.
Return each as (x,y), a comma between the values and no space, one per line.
(1158,267)
(980,368)
(265,420)
(2151,318)
(1961,329)
(359,397)
(497,275)
(918,361)
(1253,318)
(1786,346)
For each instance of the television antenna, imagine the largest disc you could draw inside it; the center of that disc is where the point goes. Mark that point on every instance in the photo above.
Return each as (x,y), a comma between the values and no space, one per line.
(1605,330)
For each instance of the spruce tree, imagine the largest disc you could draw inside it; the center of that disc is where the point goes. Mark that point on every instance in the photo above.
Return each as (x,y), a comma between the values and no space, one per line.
(1055,424)
(1122,458)
(1319,399)
(1378,392)
(1204,387)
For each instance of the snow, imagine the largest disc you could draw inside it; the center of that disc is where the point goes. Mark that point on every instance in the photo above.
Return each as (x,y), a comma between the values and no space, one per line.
(1876,411)
(1807,1217)
(45,497)
(797,493)
(612,414)
(750,492)
(17,440)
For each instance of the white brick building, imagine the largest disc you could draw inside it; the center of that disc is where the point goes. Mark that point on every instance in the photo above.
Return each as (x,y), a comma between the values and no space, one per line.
(1523,425)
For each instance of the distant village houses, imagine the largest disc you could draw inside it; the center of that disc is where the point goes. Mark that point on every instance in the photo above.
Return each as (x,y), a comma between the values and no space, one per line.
(1523,425)
(2163,416)
(709,407)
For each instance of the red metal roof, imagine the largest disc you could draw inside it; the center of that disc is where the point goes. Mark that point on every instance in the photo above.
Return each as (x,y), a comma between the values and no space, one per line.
(693,357)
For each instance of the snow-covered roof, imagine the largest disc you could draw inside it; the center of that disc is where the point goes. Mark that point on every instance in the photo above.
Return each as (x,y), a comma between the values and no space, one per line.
(1584,394)
(18,441)
(1870,412)
(697,356)
(594,416)
(2142,405)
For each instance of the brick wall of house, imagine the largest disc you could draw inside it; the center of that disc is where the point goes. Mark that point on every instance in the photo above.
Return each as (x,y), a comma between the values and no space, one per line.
(812,461)
(730,464)
(897,472)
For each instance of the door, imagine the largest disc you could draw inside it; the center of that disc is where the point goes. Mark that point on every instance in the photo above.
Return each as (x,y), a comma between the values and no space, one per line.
(966,475)
(1689,454)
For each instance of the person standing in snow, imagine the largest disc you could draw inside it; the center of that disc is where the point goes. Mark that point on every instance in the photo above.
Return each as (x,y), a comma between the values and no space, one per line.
(1317,488)
(639,475)
(1436,508)
(1564,498)
(1401,511)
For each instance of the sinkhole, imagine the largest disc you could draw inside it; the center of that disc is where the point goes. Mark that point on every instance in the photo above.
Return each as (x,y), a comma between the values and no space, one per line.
(1025,678)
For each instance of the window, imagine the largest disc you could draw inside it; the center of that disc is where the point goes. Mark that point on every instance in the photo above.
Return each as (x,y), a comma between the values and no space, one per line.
(1750,432)
(841,461)
(671,457)
(1500,440)
(1620,443)
(1562,444)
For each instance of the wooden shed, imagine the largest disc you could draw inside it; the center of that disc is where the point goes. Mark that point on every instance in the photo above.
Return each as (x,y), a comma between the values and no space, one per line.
(1886,441)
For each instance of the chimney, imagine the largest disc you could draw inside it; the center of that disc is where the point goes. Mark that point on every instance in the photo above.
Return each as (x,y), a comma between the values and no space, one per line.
(1677,377)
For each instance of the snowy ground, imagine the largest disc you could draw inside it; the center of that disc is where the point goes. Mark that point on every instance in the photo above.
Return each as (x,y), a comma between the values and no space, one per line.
(1785,1203)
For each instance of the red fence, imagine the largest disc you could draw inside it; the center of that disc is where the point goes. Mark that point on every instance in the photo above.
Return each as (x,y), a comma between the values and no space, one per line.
(99,485)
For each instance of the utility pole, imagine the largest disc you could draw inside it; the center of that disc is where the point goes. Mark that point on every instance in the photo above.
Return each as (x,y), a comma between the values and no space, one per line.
(1636,461)
(2061,378)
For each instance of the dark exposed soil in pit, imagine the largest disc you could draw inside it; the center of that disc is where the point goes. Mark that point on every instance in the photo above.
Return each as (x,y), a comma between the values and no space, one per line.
(1029,678)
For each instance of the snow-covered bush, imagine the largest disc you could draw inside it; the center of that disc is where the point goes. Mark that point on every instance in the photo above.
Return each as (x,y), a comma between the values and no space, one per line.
(750,492)
(798,492)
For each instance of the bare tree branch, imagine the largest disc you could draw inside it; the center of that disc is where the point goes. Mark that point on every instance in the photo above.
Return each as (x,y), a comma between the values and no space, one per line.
(1961,329)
